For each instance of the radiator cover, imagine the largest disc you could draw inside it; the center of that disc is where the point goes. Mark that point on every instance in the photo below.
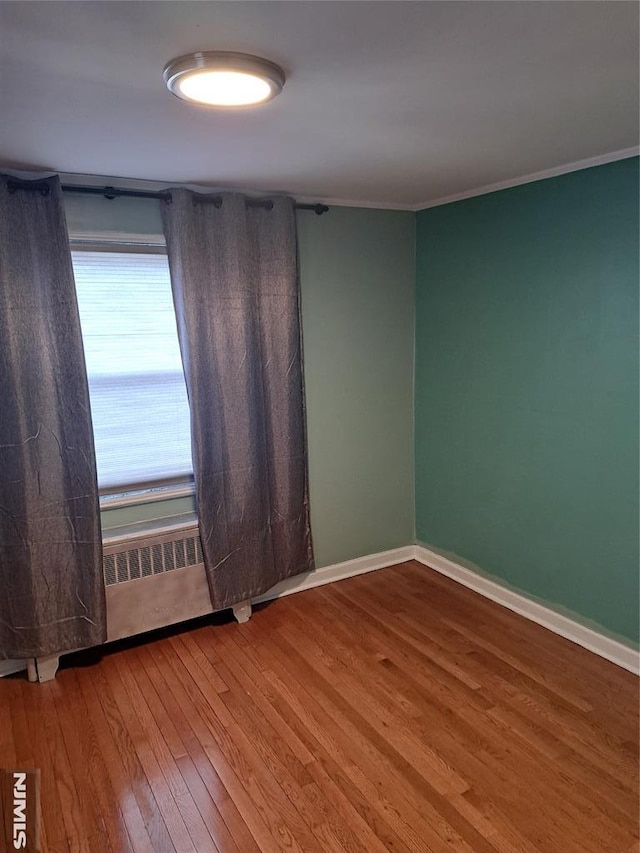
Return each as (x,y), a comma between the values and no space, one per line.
(131,559)
(154,580)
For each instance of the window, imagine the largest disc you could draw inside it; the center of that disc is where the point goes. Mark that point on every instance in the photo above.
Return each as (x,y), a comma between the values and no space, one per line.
(136,384)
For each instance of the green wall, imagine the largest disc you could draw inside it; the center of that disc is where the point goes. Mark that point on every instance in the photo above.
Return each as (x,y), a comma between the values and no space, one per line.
(526,391)
(357,282)
(526,385)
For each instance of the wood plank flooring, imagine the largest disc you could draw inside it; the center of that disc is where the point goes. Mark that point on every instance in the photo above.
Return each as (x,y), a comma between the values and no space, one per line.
(395,711)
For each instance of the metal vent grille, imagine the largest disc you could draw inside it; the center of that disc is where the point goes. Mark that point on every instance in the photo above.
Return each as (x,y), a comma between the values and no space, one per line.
(126,561)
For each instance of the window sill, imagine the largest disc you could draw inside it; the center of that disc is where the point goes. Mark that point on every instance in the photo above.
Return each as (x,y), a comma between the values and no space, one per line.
(180,490)
(148,528)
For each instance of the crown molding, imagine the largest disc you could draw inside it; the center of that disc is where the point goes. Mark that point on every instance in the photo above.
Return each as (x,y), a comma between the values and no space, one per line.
(556,171)
(335,201)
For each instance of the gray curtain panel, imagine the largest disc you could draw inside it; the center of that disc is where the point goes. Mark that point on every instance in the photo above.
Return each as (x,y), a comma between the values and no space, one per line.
(51,586)
(235,287)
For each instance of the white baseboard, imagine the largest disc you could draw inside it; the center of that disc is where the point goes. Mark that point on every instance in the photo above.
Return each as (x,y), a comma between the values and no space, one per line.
(618,653)
(612,650)
(327,574)
(337,572)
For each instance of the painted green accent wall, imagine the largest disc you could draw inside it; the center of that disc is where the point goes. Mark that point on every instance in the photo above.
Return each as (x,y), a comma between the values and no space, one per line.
(526,389)
(357,282)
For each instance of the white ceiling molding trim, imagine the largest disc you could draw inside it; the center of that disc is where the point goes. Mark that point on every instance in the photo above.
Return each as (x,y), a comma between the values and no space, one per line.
(142,184)
(391,104)
(600,160)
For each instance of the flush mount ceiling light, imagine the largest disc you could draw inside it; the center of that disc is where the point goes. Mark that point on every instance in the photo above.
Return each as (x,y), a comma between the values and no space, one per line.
(223,79)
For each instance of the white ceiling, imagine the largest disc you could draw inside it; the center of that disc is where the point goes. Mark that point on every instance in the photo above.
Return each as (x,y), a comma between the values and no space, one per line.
(389,103)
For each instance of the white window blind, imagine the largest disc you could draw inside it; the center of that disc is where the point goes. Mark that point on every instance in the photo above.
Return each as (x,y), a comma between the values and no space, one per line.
(138,396)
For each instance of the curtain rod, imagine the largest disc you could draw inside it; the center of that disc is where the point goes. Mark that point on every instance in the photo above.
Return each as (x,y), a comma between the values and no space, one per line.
(110,193)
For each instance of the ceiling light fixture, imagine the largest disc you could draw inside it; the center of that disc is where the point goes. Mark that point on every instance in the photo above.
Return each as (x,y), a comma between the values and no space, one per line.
(223,79)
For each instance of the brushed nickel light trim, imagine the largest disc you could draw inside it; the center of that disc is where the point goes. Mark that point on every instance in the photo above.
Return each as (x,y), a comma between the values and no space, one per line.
(223,78)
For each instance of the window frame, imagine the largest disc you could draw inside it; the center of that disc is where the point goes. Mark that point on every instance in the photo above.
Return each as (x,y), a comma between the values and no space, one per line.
(133,494)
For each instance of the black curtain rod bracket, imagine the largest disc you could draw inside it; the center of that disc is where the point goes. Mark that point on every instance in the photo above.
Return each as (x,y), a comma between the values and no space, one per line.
(110,193)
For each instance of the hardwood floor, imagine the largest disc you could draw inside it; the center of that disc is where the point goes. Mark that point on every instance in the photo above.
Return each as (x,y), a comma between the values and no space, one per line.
(394,711)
